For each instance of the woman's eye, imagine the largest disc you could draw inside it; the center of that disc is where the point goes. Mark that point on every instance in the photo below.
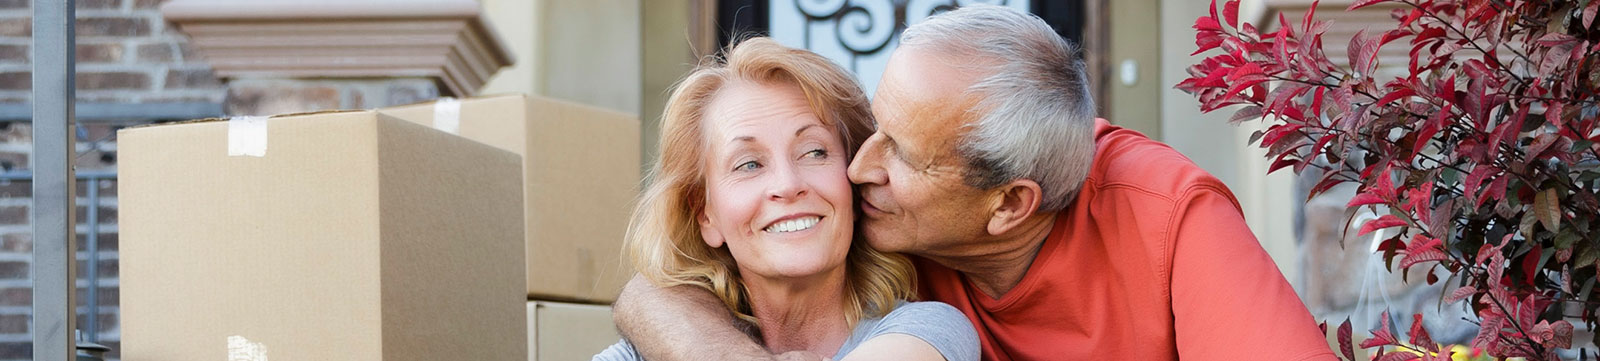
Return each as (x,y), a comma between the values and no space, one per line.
(817,153)
(747,166)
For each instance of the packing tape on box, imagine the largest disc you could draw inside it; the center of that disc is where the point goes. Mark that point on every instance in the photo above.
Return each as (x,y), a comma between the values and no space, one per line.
(447,115)
(247,136)
(242,349)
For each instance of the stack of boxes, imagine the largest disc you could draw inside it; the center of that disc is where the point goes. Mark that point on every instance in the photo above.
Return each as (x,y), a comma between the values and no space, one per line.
(378,234)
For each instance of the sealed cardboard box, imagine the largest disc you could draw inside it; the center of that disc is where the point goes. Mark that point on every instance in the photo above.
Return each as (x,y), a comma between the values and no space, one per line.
(331,236)
(566,331)
(581,166)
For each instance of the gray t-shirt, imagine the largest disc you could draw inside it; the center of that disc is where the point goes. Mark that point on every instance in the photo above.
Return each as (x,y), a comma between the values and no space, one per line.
(940,325)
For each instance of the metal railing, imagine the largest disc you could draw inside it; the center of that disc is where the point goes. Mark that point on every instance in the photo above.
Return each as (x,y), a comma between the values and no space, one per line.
(91,179)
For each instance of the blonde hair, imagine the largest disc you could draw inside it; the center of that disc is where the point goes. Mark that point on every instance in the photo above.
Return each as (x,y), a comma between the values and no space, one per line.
(664,239)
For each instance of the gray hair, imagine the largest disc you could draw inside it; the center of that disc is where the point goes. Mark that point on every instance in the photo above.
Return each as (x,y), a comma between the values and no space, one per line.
(1037,115)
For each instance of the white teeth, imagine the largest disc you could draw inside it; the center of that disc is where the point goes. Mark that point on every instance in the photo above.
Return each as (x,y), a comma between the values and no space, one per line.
(793,225)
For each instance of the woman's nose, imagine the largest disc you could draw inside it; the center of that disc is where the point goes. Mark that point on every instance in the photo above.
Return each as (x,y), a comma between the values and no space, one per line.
(786,184)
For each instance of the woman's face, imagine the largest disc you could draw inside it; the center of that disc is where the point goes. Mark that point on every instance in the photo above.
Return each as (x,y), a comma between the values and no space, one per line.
(776,190)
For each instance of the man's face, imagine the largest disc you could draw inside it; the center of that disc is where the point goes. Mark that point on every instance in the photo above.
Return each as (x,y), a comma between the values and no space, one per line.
(913,198)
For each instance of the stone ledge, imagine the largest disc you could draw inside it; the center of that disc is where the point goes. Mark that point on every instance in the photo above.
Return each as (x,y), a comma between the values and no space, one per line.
(447,40)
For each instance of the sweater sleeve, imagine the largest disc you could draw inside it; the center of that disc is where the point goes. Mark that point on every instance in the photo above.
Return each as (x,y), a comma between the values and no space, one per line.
(1228,294)
(620,351)
(936,323)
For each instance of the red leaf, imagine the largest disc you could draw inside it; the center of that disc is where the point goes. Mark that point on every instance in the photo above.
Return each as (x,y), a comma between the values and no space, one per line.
(1415,13)
(1398,355)
(1383,335)
(1395,95)
(1283,161)
(1355,52)
(1526,312)
(1392,35)
(1362,4)
(1485,251)
(1530,263)
(1552,112)
(1419,335)
(1419,200)
(1345,347)
(1364,198)
(1461,293)
(1247,113)
(1230,12)
(1306,22)
(1488,331)
(1213,9)
(1246,83)
(1423,249)
(1316,102)
(1588,13)
(1384,187)
(1475,179)
(1386,221)
(1562,329)
(1244,71)
(1497,269)
(1206,42)
(1425,135)
(1205,24)
(1277,132)
(1496,190)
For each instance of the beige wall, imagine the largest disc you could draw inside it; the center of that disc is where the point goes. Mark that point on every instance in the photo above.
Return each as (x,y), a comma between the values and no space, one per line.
(669,46)
(513,21)
(587,51)
(1134,40)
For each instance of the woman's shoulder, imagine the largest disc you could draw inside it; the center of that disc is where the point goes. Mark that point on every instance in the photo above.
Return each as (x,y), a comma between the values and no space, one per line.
(924,311)
(940,325)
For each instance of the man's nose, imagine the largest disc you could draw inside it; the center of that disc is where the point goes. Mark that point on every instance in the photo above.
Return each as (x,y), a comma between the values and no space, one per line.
(867,167)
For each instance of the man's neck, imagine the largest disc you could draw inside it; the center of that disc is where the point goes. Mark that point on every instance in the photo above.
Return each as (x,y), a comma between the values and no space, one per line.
(998,265)
(799,315)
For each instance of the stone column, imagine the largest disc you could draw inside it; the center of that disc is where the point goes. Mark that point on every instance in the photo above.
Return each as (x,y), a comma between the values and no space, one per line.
(286,56)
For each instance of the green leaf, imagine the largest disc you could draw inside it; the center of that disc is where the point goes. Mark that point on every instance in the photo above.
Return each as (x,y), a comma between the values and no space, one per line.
(1566,238)
(1587,254)
(1449,176)
(1529,218)
(1580,145)
(1588,176)
(1547,206)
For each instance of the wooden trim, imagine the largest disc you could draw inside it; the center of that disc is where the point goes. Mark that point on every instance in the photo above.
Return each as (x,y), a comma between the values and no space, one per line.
(448,40)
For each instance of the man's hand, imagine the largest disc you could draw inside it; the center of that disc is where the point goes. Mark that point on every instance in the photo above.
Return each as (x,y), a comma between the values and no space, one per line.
(685,323)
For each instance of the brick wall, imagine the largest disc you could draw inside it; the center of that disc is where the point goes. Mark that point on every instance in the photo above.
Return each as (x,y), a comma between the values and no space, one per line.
(126,53)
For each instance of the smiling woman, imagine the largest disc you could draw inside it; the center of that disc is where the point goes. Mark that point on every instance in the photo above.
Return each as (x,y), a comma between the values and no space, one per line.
(750,200)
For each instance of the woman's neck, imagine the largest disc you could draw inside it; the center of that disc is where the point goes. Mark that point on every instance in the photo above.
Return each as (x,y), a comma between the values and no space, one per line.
(800,314)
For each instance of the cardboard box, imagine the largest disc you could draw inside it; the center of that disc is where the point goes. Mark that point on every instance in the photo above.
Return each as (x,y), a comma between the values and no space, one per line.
(582,169)
(566,331)
(352,237)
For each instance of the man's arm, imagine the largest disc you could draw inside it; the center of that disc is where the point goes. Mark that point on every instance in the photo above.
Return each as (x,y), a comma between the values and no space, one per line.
(1227,292)
(684,323)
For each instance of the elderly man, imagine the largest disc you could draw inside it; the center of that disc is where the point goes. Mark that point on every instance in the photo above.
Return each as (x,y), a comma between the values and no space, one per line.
(1060,236)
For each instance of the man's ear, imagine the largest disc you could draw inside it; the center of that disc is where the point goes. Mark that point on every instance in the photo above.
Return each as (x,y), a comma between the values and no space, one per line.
(1016,202)
(708,231)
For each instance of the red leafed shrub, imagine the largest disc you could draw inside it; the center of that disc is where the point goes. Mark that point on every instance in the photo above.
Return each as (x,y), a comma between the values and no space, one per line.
(1481,152)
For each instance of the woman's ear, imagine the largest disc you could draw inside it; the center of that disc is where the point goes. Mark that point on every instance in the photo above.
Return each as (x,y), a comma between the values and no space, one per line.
(708,231)
(1017,201)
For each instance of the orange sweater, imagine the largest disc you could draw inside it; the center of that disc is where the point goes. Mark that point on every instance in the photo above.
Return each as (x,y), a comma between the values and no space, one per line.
(1153,261)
